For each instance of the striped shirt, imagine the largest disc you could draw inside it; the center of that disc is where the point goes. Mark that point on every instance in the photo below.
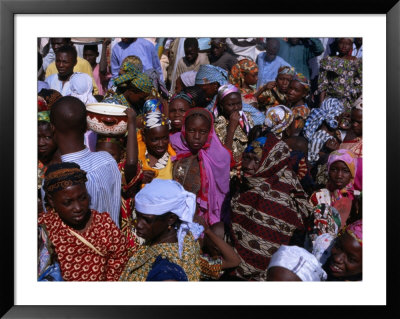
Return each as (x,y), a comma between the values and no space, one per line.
(104,180)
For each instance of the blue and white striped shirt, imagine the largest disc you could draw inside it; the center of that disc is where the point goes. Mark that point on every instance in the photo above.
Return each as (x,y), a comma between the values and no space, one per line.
(104,180)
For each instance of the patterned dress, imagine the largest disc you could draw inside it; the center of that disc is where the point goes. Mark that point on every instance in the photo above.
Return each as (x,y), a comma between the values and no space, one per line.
(139,266)
(270,98)
(101,258)
(341,79)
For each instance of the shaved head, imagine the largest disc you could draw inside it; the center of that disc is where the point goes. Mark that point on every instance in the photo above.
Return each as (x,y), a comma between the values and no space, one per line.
(68,114)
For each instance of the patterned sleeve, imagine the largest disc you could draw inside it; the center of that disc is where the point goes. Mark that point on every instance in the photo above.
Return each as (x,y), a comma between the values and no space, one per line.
(117,251)
(323,76)
(210,268)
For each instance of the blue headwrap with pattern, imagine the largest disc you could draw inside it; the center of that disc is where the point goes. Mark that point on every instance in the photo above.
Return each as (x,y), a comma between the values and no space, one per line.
(209,74)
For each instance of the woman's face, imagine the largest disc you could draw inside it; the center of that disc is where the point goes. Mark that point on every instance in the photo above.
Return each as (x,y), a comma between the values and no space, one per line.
(46,143)
(346,257)
(250,163)
(112,148)
(283,81)
(151,227)
(177,109)
(344,46)
(157,139)
(197,129)
(356,121)
(339,174)
(296,91)
(231,103)
(251,78)
(72,205)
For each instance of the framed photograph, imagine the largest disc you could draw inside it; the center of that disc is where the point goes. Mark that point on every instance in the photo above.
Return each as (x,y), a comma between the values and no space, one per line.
(23,22)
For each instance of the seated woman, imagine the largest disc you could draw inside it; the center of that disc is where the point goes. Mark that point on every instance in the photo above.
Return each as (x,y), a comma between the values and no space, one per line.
(89,246)
(293,263)
(178,106)
(275,93)
(202,163)
(232,125)
(269,207)
(342,165)
(165,220)
(345,261)
(244,76)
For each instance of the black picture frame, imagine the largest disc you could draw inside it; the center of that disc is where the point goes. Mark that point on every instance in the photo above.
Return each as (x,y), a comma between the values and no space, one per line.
(8,9)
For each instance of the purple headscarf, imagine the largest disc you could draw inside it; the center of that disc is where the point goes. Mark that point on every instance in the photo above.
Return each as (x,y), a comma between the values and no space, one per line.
(216,160)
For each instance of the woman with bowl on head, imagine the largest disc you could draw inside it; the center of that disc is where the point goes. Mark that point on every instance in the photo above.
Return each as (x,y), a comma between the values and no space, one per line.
(89,246)
(165,213)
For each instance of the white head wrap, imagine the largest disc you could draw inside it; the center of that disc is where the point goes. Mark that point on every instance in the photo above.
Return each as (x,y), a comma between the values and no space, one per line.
(189,78)
(299,261)
(81,87)
(162,196)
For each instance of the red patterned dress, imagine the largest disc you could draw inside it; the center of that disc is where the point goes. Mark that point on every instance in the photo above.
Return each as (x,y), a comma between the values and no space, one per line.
(100,256)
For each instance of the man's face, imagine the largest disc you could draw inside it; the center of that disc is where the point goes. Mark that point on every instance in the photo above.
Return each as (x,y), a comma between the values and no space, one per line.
(57,43)
(90,56)
(65,64)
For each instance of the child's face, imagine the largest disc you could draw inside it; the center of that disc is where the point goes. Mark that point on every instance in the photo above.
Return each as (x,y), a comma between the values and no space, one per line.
(339,174)
(283,81)
(191,54)
(196,133)
(46,142)
(112,148)
(356,121)
(217,48)
(296,92)
(177,110)
(251,78)
(157,140)
(346,257)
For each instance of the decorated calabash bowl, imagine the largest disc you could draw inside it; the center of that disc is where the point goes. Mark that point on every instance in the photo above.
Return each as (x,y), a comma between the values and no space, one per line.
(107,119)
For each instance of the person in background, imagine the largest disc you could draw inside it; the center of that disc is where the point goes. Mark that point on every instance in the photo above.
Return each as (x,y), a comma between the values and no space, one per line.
(178,106)
(219,56)
(101,72)
(298,51)
(81,64)
(185,80)
(244,76)
(192,59)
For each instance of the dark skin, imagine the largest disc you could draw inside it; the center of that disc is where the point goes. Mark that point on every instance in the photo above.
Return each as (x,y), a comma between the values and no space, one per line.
(250,163)
(346,257)
(47,147)
(57,43)
(296,93)
(72,205)
(177,109)
(218,47)
(65,64)
(344,46)
(156,140)
(91,56)
(156,229)
(271,49)
(356,125)
(282,83)
(135,97)
(179,86)
(230,107)
(191,54)
(113,149)
(281,274)
(209,89)
(197,129)
(339,175)
(131,146)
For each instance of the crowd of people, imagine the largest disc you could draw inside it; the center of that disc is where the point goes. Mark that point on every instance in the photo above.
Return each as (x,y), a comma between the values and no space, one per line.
(241,161)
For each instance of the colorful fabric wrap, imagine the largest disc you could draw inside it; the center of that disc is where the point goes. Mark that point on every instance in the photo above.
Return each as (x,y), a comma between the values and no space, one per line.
(208,73)
(256,146)
(156,119)
(303,80)
(184,96)
(50,96)
(286,70)
(225,90)
(315,143)
(62,175)
(162,269)
(44,116)
(355,230)
(330,108)
(136,78)
(163,196)
(239,71)
(345,156)
(152,105)
(299,261)
(132,63)
(278,118)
